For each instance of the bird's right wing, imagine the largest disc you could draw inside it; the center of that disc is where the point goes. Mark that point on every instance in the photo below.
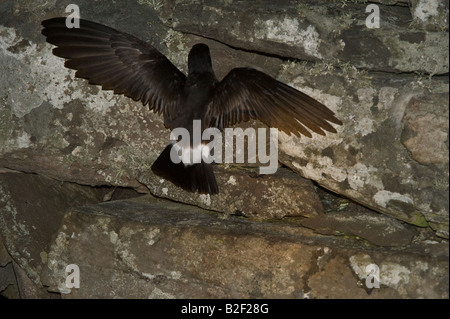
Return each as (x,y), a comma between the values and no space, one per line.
(247,93)
(117,61)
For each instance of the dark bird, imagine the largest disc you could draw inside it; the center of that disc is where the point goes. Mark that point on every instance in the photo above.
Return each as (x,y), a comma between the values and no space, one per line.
(121,62)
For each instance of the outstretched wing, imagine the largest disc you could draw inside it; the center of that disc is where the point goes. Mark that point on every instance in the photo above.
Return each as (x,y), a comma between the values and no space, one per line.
(247,93)
(117,61)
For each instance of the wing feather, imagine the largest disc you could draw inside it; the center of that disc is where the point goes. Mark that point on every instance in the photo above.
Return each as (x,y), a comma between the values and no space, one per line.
(247,93)
(118,61)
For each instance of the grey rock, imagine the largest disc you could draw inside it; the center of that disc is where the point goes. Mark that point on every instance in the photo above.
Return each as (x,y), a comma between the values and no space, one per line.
(31,209)
(245,192)
(375,228)
(148,248)
(29,289)
(5,258)
(368,155)
(63,128)
(8,282)
(430,14)
(425,130)
(95,138)
(331,32)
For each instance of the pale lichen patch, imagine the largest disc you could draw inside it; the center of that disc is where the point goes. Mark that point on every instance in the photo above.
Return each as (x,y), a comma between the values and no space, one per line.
(288,31)
(206,199)
(383,197)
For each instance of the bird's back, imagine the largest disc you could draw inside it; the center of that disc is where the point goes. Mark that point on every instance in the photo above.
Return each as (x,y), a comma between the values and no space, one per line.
(194,101)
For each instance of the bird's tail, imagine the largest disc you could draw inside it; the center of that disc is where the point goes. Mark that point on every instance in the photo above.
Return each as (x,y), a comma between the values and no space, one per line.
(193,177)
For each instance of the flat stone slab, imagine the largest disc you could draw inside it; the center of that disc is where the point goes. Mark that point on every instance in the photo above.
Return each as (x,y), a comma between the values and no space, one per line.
(375,228)
(153,248)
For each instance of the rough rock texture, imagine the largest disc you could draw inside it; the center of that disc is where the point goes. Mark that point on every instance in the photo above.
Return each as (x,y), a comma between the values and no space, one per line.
(430,14)
(375,228)
(93,137)
(152,248)
(319,31)
(190,254)
(27,235)
(64,128)
(8,281)
(389,86)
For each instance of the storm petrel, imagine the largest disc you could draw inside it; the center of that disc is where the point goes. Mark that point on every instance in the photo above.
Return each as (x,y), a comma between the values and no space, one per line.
(121,62)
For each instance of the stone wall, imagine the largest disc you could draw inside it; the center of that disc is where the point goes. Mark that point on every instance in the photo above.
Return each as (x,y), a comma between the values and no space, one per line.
(375,193)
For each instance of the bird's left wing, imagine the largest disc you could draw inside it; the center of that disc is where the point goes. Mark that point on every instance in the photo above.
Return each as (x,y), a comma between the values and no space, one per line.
(247,93)
(117,61)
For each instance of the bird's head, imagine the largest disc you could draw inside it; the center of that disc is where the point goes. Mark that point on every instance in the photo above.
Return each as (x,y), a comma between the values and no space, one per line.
(199,59)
